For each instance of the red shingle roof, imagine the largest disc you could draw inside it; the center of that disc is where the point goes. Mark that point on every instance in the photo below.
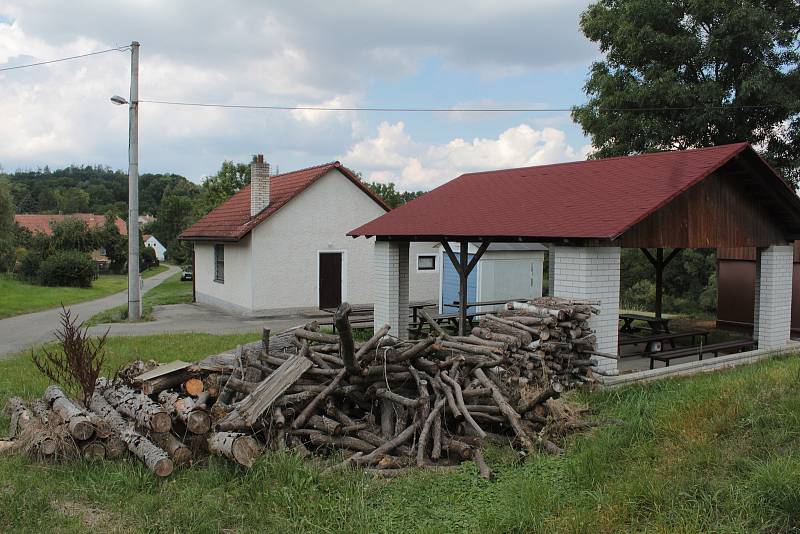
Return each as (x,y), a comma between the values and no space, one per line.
(38,223)
(586,199)
(231,220)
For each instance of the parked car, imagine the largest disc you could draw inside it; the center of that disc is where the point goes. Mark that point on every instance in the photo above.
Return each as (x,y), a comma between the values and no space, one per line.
(187,273)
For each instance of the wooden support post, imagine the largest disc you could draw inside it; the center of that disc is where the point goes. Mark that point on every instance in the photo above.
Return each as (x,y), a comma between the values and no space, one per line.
(659,263)
(463,278)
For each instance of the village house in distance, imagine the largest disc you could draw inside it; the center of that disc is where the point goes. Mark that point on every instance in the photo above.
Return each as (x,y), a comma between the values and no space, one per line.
(41,223)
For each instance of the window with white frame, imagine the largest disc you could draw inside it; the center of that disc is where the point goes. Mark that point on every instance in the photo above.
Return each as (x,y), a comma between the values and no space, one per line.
(426,262)
(219,263)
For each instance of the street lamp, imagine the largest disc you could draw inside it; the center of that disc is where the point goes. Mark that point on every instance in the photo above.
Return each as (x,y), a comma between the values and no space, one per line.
(134,297)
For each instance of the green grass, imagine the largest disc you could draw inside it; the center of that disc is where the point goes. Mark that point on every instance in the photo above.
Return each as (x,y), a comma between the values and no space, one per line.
(170,291)
(20,297)
(713,453)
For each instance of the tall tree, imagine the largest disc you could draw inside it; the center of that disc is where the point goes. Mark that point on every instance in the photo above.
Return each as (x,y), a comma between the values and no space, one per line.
(216,189)
(388,193)
(727,69)
(7,254)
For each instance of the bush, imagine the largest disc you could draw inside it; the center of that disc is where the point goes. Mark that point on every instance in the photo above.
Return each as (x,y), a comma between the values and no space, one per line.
(147,259)
(8,255)
(29,265)
(68,268)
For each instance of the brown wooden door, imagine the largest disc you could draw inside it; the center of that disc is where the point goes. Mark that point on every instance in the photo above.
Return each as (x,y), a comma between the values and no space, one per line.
(330,279)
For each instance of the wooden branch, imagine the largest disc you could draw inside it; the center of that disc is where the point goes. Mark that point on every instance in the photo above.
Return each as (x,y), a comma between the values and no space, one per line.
(346,344)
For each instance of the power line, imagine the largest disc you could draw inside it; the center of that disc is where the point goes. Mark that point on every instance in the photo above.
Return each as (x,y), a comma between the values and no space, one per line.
(120,49)
(443,110)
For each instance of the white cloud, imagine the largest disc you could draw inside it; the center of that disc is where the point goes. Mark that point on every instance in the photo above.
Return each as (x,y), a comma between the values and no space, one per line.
(247,51)
(393,156)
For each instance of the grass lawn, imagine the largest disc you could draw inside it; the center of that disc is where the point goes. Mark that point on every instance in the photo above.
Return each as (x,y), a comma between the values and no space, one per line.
(714,453)
(21,297)
(170,291)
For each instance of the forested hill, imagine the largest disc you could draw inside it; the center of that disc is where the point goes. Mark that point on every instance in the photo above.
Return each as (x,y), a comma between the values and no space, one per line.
(92,189)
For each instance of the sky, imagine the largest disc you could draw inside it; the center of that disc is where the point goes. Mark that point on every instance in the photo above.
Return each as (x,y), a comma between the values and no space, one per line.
(443,54)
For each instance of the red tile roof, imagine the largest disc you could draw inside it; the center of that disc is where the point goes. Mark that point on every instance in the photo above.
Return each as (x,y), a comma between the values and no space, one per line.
(585,199)
(41,223)
(231,220)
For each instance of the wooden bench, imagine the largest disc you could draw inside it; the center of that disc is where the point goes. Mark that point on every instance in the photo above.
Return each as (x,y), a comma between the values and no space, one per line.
(738,345)
(656,338)
(656,324)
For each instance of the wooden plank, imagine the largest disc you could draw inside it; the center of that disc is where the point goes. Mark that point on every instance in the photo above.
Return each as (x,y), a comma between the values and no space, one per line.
(272,387)
(162,369)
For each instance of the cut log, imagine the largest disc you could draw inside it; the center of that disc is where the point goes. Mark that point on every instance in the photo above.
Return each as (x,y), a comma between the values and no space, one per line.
(138,407)
(93,450)
(169,443)
(240,448)
(197,420)
(79,425)
(193,386)
(115,447)
(483,467)
(153,457)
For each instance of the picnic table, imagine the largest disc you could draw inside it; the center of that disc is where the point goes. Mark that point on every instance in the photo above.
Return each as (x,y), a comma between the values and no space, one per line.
(361,316)
(656,324)
(654,342)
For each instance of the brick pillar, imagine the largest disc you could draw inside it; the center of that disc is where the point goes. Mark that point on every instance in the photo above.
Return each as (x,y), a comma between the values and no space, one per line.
(592,273)
(390,279)
(774,296)
(551,268)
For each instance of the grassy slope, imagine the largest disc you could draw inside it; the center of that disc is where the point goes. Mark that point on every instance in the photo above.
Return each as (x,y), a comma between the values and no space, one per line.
(170,291)
(713,453)
(20,297)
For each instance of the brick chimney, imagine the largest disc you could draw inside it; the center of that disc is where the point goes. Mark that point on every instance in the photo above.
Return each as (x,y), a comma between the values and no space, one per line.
(259,185)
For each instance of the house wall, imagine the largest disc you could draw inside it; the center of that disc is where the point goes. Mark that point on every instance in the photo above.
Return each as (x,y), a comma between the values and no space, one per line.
(157,246)
(423,285)
(235,293)
(286,246)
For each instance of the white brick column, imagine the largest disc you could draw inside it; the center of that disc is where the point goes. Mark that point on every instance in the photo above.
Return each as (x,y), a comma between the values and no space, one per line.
(390,279)
(774,296)
(551,268)
(592,273)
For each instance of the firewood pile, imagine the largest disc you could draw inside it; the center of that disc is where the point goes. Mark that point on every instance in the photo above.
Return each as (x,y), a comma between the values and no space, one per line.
(386,405)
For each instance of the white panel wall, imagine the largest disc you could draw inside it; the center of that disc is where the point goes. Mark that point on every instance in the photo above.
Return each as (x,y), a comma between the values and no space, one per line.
(423,285)
(235,293)
(391,286)
(592,273)
(774,296)
(286,246)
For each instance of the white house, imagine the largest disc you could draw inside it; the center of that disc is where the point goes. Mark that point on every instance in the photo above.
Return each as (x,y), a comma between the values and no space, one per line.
(155,244)
(281,243)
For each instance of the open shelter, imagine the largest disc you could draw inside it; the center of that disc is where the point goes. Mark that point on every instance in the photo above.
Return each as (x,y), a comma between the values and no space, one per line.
(723,196)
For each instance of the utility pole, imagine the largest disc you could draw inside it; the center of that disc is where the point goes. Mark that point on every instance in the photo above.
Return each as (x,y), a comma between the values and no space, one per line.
(134,295)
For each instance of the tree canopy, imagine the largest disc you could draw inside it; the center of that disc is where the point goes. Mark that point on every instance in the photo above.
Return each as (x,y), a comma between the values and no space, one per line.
(388,193)
(727,69)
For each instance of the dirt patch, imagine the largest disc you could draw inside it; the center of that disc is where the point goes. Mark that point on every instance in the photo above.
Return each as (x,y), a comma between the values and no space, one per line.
(91,516)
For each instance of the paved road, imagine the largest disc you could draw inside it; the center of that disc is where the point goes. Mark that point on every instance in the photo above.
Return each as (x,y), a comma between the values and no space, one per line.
(197,318)
(22,331)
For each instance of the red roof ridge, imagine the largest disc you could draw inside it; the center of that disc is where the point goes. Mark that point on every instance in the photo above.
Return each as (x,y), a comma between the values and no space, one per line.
(540,201)
(231,220)
(742,145)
